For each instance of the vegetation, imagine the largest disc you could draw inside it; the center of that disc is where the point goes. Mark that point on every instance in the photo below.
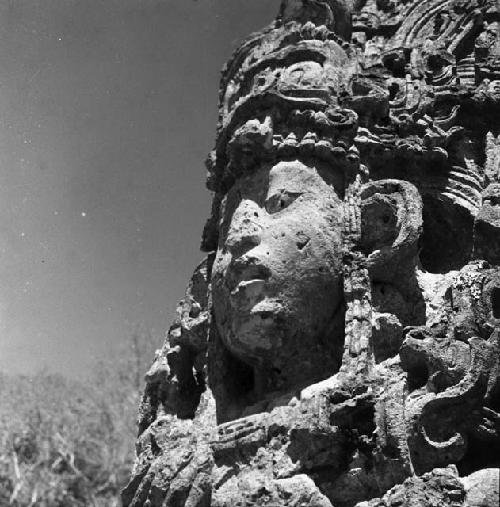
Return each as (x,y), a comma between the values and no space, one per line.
(68,443)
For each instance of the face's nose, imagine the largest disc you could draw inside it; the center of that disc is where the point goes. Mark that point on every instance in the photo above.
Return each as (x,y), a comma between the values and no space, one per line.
(246,228)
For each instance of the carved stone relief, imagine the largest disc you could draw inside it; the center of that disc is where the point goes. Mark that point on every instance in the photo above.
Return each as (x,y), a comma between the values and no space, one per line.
(340,345)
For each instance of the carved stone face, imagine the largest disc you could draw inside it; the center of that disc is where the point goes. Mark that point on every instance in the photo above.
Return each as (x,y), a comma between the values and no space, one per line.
(276,278)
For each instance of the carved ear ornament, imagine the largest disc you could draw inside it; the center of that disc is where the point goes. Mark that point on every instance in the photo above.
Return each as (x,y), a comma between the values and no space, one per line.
(391,224)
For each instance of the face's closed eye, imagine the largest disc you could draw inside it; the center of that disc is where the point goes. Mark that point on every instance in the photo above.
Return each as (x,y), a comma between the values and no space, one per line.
(280,200)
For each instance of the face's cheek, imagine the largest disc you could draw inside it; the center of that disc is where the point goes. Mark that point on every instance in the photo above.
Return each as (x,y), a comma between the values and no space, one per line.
(219,273)
(305,251)
(221,282)
(309,236)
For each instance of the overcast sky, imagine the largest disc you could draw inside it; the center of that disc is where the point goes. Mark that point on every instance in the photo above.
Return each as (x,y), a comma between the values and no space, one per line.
(107,112)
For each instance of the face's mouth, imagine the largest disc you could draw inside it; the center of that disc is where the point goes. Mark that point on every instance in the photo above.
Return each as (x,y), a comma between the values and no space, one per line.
(244,275)
(249,286)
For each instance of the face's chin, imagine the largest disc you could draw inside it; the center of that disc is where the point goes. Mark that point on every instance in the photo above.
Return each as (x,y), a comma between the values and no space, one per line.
(256,334)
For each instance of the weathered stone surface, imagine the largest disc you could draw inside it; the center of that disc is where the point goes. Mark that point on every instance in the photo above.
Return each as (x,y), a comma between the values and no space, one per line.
(482,488)
(340,346)
(443,487)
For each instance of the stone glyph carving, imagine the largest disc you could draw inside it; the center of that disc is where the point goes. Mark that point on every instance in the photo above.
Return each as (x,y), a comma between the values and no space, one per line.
(339,346)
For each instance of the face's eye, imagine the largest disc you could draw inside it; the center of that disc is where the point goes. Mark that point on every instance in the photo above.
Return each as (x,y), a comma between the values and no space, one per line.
(280,201)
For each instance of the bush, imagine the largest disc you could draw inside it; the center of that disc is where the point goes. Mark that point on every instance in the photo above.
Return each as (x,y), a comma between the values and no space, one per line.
(69,443)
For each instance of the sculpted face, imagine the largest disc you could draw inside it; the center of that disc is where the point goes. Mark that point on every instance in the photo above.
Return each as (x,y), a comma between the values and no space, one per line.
(277,273)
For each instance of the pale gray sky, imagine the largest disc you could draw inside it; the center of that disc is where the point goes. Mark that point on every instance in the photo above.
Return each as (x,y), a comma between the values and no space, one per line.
(107,112)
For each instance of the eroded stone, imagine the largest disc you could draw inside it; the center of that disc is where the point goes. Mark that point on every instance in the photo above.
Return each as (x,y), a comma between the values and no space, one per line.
(340,346)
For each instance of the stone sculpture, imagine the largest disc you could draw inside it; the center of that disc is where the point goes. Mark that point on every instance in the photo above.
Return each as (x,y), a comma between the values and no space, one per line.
(340,344)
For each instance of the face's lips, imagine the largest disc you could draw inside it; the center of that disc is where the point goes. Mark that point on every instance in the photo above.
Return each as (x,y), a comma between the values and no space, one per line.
(242,271)
(252,287)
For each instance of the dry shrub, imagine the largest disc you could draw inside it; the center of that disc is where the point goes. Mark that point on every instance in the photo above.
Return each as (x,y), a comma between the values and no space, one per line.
(69,443)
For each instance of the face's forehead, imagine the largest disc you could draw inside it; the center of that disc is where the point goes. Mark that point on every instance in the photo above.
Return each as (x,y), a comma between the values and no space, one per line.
(292,176)
(295,177)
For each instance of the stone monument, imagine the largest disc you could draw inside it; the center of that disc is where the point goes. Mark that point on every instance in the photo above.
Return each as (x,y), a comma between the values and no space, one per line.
(340,344)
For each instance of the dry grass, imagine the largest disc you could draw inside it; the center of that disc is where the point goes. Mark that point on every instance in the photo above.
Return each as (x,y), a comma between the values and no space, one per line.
(67,443)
